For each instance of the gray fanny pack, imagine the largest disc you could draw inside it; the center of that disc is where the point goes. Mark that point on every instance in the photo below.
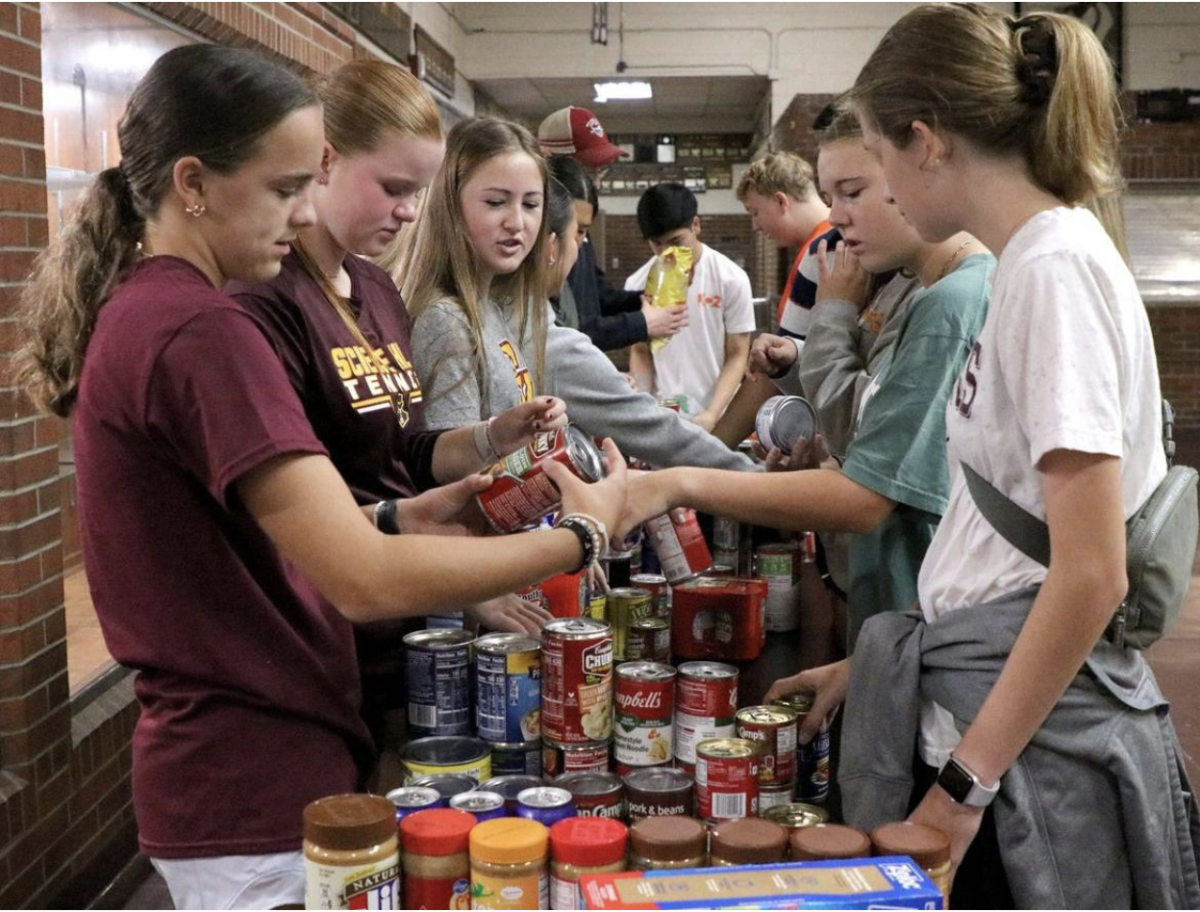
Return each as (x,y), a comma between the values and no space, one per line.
(1160,545)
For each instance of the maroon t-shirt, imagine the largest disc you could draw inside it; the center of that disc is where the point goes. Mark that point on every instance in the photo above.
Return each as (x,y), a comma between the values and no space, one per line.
(248,681)
(367,418)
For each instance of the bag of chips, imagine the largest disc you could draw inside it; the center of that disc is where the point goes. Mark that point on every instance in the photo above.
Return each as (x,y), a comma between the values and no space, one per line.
(667,284)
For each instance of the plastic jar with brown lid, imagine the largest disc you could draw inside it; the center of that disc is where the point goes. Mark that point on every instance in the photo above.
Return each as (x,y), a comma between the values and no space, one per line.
(829,841)
(351,855)
(659,843)
(927,846)
(749,840)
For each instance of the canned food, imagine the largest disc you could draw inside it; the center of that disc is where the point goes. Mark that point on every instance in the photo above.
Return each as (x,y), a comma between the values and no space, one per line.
(509,787)
(779,565)
(718,618)
(726,778)
(624,769)
(484,805)
(682,551)
(446,785)
(618,568)
(705,705)
(508,684)
(784,420)
(644,713)
(595,794)
(533,595)
(437,669)
(719,570)
(577,660)
(546,804)
(522,493)
(649,640)
(660,791)
(812,759)
(658,587)
(598,606)
(770,796)
(796,815)
(411,798)
(447,754)
(624,607)
(591,756)
(524,759)
(774,727)
(566,594)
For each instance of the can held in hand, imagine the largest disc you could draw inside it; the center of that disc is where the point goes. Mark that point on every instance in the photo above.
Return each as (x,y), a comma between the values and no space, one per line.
(784,420)
(450,754)
(779,565)
(484,805)
(623,607)
(591,756)
(437,669)
(577,667)
(644,713)
(726,779)
(649,640)
(523,759)
(659,791)
(508,684)
(812,759)
(595,794)
(546,804)
(522,493)
(705,706)
(773,727)
(682,551)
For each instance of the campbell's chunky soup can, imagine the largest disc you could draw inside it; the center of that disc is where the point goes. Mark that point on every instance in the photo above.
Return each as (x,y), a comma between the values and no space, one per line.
(522,493)
(577,671)
(644,713)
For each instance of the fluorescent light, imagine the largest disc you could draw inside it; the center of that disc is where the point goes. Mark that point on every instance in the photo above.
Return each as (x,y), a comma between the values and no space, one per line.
(621,91)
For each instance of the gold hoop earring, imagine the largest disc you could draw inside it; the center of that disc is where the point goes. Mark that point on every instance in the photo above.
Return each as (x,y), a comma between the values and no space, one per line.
(196,210)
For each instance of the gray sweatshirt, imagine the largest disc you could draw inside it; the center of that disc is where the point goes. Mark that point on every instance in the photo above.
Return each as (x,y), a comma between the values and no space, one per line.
(597,396)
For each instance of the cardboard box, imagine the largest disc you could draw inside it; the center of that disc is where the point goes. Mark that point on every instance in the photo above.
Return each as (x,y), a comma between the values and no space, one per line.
(868,883)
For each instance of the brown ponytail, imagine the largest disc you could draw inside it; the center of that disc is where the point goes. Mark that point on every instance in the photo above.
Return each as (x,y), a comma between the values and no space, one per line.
(212,102)
(1041,88)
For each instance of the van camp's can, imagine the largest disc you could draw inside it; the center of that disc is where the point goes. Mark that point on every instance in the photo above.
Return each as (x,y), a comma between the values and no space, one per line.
(644,713)
(546,804)
(682,551)
(812,759)
(705,706)
(409,799)
(508,685)
(523,759)
(577,665)
(774,727)
(437,670)
(589,757)
(784,420)
(623,607)
(779,565)
(727,778)
(596,794)
(658,587)
(447,754)
(484,805)
(522,493)
(509,787)
(649,640)
(659,791)
(446,784)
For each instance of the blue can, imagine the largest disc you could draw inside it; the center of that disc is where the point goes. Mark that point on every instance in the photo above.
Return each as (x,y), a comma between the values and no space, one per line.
(546,804)
(508,678)
(410,799)
(510,786)
(437,666)
(484,805)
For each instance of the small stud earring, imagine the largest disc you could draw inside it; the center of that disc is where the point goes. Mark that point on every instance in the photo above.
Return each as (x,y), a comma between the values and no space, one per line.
(196,210)
(323,180)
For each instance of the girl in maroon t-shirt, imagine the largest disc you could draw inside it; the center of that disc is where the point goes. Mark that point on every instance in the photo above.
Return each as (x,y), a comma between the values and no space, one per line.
(227,558)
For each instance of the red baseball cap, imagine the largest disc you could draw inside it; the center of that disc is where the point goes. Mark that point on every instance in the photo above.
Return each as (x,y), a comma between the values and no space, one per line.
(578,132)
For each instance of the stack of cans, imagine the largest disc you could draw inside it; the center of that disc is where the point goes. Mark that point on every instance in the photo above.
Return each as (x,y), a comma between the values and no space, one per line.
(577,684)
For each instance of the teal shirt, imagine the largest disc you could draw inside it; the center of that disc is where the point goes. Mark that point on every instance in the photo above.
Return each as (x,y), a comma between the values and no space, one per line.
(899,450)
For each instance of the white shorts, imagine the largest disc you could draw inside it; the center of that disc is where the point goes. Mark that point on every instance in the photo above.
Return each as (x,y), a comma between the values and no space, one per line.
(234,881)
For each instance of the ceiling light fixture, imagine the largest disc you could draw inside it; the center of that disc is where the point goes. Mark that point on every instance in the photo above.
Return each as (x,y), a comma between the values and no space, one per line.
(621,91)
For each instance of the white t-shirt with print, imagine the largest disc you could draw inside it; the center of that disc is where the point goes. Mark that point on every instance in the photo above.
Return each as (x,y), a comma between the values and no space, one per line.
(1065,361)
(718,304)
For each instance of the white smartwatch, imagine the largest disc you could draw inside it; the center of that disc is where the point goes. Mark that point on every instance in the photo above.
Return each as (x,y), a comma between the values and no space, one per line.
(960,783)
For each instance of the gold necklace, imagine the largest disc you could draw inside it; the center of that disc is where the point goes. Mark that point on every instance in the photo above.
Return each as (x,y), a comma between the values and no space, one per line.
(954,256)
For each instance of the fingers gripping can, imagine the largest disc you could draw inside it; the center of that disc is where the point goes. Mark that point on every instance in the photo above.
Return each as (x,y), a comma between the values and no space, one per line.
(705,706)
(682,550)
(577,669)
(522,493)
(508,684)
(644,710)
(812,759)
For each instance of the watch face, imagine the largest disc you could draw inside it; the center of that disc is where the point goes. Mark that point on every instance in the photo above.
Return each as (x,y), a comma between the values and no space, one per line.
(956,781)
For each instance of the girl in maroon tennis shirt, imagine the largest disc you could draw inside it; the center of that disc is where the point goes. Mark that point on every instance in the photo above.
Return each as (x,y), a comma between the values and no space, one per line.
(226,556)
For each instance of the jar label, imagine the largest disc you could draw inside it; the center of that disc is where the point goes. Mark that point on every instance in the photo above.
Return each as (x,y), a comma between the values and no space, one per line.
(437,893)
(564,894)
(362,886)
(525,891)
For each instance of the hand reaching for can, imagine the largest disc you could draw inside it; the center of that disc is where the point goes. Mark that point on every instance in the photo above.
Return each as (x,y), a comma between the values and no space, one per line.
(649,496)
(828,685)
(515,428)
(446,510)
(605,499)
(509,614)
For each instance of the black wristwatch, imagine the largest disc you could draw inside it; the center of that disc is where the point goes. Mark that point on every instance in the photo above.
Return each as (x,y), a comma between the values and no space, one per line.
(960,783)
(386,520)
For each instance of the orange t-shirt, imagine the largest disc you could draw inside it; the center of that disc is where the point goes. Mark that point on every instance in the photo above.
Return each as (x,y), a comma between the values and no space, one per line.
(787,289)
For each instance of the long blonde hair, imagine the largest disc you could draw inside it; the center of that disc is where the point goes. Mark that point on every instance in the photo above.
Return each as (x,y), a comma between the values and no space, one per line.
(440,262)
(1040,87)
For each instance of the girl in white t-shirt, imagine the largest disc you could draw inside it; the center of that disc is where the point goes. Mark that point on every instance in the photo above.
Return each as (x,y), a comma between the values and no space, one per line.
(1010,129)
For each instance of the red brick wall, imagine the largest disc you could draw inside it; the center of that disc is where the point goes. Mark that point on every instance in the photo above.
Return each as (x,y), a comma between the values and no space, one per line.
(1177,344)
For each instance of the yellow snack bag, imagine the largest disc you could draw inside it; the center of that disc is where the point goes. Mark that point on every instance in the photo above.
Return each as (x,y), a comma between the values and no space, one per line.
(667,284)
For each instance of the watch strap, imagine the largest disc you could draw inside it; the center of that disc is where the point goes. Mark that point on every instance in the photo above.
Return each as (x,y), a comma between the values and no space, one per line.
(964,787)
(386,520)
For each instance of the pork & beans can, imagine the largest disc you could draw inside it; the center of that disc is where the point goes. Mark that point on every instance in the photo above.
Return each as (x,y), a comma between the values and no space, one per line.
(644,713)
(682,551)
(727,778)
(705,706)
(577,668)
(437,670)
(659,791)
(596,794)
(774,727)
(508,686)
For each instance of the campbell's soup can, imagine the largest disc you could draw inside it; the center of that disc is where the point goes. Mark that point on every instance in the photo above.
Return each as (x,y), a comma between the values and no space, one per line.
(779,565)
(649,640)
(812,759)
(522,493)
(705,706)
(682,551)
(726,779)
(597,794)
(577,669)
(623,606)
(588,757)
(658,587)
(644,713)
(774,728)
